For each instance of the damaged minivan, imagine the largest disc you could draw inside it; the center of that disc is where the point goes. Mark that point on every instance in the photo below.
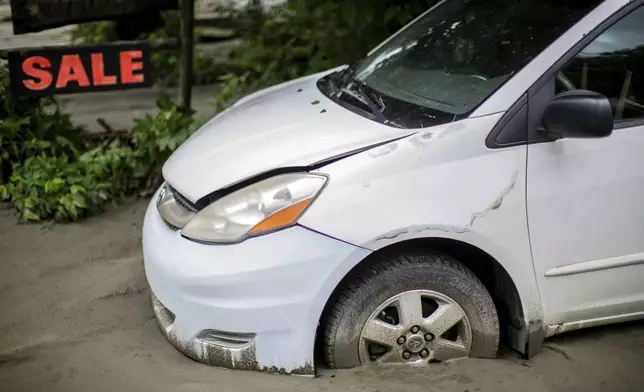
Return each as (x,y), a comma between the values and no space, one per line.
(479,174)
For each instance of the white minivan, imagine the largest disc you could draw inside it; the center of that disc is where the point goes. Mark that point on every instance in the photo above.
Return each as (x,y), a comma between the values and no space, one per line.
(479,174)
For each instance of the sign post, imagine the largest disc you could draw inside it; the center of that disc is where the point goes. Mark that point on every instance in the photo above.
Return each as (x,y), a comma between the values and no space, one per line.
(187,52)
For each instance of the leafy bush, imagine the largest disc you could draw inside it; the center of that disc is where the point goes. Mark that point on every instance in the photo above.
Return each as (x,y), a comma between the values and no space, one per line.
(69,187)
(95,33)
(155,137)
(39,142)
(30,125)
(55,187)
(232,87)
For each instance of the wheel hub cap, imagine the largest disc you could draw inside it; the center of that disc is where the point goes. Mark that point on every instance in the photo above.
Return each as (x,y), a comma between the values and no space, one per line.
(415,343)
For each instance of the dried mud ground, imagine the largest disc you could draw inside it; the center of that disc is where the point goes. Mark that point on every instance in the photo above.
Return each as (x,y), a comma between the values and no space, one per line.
(75,316)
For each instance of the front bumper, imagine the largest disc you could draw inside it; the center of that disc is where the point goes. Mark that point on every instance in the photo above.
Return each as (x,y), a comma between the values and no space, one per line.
(271,290)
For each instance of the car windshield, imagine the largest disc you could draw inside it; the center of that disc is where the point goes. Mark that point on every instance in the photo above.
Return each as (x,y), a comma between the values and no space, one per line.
(453,57)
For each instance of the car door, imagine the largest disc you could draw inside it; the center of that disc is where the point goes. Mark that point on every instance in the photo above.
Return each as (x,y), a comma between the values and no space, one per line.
(585,197)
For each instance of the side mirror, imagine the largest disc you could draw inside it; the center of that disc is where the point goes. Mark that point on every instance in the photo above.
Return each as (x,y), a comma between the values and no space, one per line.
(578,114)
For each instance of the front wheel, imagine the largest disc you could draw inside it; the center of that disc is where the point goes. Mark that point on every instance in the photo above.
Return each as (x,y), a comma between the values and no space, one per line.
(411,309)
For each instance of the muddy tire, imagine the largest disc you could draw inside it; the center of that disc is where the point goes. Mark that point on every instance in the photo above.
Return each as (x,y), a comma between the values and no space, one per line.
(372,314)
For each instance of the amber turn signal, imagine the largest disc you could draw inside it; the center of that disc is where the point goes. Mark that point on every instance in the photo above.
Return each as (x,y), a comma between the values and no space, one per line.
(282,218)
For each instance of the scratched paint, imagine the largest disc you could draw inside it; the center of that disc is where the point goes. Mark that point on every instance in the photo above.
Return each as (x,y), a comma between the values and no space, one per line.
(384,150)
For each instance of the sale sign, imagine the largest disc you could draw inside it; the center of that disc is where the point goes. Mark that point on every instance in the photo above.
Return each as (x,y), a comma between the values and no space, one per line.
(78,69)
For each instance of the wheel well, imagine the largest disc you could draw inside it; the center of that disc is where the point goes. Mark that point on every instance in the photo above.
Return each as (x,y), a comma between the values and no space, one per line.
(494,277)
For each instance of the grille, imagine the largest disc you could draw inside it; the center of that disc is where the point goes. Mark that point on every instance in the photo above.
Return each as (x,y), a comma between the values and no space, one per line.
(182,201)
(171,227)
(226,339)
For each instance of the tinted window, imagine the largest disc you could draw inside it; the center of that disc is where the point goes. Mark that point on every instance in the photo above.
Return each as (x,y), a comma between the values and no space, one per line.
(613,65)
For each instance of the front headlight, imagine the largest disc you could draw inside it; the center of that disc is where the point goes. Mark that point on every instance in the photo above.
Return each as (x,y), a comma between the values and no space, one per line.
(266,206)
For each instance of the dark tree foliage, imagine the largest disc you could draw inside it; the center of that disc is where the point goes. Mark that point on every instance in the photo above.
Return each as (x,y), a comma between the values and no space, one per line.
(308,36)
(313,35)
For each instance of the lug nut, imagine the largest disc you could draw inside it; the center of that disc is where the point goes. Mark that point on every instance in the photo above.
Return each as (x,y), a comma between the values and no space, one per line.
(401,340)
(424,353)
(429,337)
(406,354)
(415,329)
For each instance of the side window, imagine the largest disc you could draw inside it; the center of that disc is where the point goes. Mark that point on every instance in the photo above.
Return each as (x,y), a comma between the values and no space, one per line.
(613,65)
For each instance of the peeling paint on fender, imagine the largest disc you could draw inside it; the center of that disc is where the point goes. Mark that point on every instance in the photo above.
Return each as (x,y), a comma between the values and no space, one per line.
(391,236)
(496,203)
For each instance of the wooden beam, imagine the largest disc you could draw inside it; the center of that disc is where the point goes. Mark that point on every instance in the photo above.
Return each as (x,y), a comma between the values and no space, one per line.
(157,44)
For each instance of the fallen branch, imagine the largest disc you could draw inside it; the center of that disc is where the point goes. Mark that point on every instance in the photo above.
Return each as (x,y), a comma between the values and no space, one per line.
(108,134)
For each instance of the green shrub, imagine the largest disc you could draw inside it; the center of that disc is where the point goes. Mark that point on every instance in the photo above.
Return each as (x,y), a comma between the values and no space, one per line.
(232,87)
(30,125)
(55,187)
(41,145)
(95,33)
(155,137)
(69,187)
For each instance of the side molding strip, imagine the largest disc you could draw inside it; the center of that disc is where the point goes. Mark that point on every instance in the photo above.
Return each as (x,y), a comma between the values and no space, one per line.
(597,265)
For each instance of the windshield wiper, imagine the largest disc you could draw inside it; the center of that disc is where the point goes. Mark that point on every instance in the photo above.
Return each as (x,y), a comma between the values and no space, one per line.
(375,108)
(355,89)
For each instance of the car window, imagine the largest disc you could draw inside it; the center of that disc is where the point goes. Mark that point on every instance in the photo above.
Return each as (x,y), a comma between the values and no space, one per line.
(613,65)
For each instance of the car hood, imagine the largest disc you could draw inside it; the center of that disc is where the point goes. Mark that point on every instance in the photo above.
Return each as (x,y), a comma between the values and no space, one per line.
(289,125)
